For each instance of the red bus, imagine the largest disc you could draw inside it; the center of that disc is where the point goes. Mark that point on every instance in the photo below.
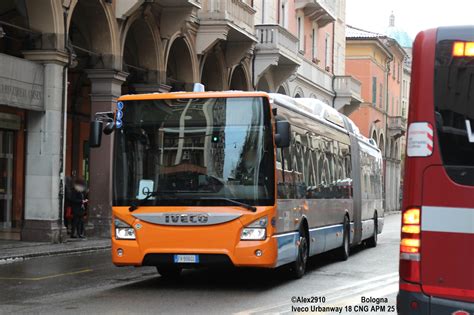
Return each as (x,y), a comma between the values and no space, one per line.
(437,236)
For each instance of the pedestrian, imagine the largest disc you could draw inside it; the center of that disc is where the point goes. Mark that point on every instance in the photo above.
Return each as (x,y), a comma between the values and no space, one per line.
(67,219)
(78,201)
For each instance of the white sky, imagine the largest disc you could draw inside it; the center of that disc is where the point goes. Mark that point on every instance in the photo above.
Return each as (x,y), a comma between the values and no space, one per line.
(410,15)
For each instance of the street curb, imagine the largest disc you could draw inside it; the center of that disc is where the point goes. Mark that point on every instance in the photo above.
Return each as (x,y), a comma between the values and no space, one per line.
(22,257)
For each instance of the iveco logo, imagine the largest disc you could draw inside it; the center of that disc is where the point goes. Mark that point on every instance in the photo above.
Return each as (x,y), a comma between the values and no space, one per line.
(185,218)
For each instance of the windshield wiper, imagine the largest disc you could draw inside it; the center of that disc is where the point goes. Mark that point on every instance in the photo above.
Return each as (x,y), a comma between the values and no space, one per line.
(235,202)
(134,204)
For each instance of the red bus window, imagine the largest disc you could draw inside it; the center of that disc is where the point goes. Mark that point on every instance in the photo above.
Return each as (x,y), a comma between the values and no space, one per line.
(454,108)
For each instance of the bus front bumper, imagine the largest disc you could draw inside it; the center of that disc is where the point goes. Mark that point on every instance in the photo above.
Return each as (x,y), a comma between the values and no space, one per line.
(243,254)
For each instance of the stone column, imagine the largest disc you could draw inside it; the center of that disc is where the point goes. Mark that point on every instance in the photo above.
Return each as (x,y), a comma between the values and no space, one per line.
(106,85)
(44,154)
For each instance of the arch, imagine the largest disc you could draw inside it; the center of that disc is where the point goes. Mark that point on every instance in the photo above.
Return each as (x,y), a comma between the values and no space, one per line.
(381,143)
(282,90)
(141,47)
(239,79)
(298,92)
(212,73)
(47,17)
(92,26)
(180,65)
(263,85)
(374,136)
(312,95)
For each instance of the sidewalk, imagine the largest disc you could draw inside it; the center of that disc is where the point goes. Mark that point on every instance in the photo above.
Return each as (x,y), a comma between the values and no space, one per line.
(14,251)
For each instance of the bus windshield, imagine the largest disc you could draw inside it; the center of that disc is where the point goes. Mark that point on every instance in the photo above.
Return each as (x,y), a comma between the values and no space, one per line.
(194,152)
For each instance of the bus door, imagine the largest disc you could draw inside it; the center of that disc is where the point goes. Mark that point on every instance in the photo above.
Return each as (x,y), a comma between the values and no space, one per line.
(447,212)
(356,191)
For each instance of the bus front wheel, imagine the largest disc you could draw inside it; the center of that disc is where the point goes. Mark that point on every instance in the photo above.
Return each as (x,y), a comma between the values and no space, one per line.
(169,272)
(298,268)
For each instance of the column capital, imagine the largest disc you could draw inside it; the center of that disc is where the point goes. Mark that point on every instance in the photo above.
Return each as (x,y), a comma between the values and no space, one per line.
(58,57)
(106,84)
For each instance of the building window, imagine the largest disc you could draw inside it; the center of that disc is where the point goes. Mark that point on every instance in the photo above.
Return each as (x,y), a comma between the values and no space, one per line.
(381,95)
(300,33)
(399,70)
(314,53)
(283,15)
(328,51)
(374,91)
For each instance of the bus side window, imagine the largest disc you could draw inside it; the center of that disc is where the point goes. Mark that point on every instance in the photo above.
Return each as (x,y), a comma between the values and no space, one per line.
(285,180)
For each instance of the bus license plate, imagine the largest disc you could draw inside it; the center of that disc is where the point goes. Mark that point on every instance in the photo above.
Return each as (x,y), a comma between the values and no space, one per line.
(186,259)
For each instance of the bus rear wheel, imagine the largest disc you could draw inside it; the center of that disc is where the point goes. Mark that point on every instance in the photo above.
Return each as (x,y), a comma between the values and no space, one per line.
(169,272)
(343,252)
(298,268)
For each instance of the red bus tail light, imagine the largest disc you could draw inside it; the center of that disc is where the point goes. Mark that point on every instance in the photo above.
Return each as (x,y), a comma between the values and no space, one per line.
(410,245)
(411,216)
(469,49)
(463,49)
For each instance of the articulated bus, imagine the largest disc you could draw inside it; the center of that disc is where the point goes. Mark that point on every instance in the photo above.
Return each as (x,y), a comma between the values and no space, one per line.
(437,236)
(248,179)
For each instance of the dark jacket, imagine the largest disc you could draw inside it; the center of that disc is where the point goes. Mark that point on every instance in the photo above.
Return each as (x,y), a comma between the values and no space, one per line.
(75,201)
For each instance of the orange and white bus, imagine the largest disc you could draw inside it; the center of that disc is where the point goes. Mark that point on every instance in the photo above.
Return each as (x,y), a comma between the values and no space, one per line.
(247,179)
(437,237)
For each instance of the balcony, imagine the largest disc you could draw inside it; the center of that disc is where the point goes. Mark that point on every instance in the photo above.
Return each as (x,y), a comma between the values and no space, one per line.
(277,51)
(276,38)
(315,75)
(321,11)
(397,126)
(230,20)
(125,8)
(180,3)
(348,94)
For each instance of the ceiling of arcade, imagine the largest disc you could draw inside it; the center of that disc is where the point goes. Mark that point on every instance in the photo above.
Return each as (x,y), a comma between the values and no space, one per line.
(146,44)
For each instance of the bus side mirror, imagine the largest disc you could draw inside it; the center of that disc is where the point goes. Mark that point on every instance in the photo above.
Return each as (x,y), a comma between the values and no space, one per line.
(282,134)
(109,128)
(95,136)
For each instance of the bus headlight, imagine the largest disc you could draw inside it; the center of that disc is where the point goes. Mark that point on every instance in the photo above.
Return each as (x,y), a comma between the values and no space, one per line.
(123,231)
(255,231)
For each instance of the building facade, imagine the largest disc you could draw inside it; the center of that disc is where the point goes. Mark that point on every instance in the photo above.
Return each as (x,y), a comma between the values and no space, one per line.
(381,64)
(301,51)
(64,60)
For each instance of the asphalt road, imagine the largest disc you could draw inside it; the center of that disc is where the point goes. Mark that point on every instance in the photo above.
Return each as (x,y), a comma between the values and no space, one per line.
(90,284)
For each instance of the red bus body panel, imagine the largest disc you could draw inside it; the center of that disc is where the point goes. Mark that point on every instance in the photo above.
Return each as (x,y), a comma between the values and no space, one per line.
(447,259)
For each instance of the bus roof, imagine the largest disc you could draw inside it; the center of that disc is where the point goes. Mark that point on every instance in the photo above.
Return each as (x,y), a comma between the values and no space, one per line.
(180,95)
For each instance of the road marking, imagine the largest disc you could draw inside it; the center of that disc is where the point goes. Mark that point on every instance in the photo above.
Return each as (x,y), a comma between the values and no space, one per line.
(383,279)
(48,277)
